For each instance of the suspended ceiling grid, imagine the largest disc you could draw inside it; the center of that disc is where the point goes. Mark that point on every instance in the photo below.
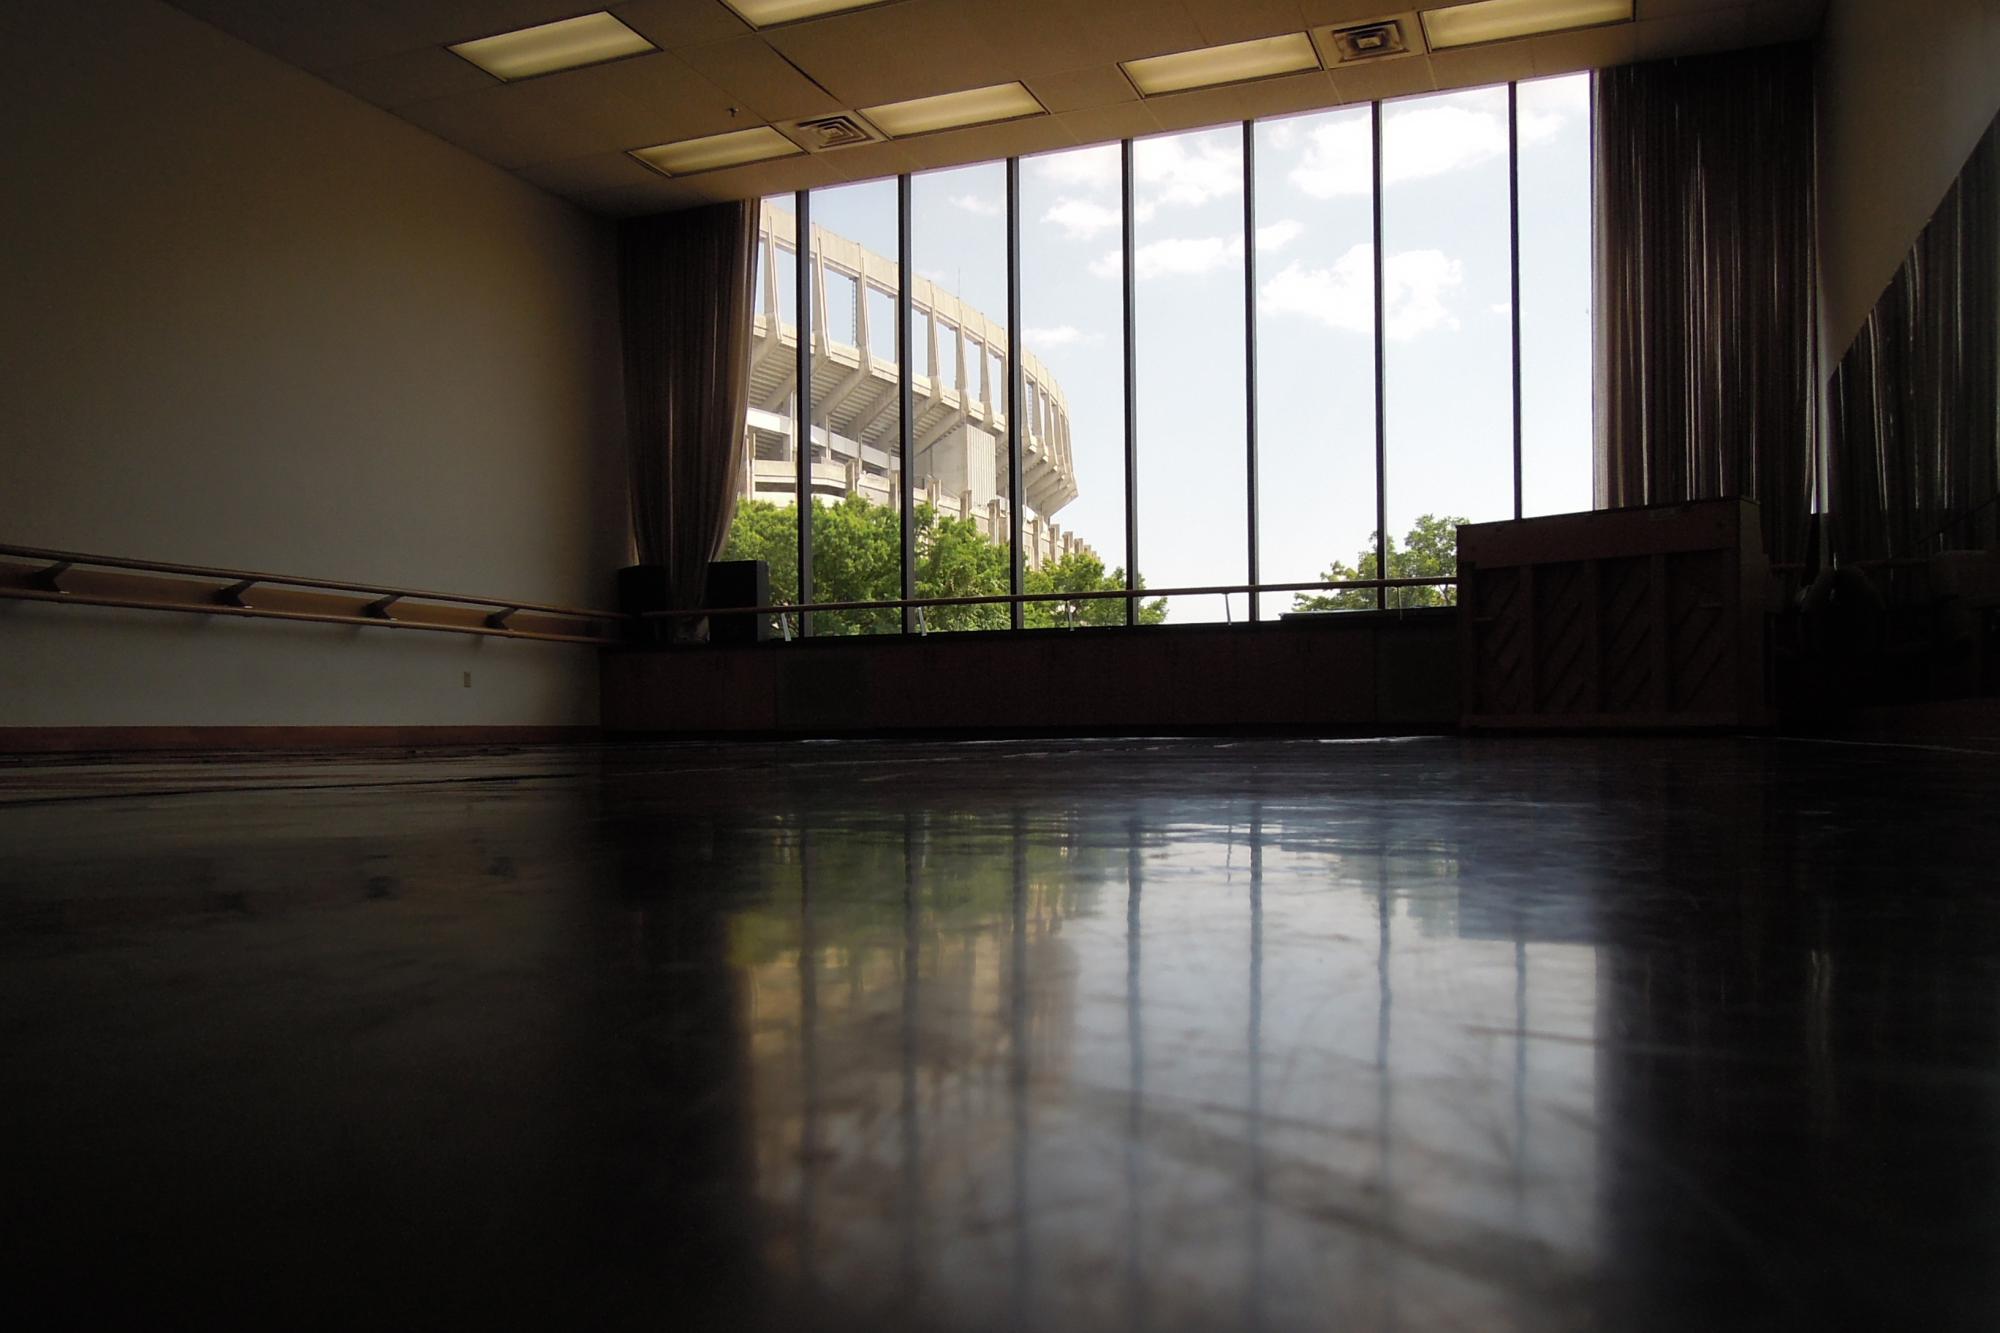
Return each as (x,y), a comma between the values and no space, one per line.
(569,133)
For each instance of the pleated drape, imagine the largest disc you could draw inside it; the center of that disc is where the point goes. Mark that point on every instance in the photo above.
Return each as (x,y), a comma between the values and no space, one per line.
(686,285)
(1705,341)
(1914,451)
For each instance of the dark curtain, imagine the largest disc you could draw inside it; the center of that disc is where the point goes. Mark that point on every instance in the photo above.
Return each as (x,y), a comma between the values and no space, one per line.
(1706,338)
(1914,451)
(686,284)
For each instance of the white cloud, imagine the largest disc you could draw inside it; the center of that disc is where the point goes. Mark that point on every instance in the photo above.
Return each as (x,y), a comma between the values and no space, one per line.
(1549,104)
(1278,234)
(1415,284)
(1177,256)
(1417,143)
(1180,255)
(1081,219)
(1079,169)
(972,203)
(1186,172)
(1062,335)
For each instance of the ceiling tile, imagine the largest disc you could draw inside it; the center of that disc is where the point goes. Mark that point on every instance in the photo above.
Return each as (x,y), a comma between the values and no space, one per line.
(584,175)
(1108,31)
(1031,37)
(872,161)
(1129,120)
(1475,66)
(411,76)
(627,104)
(677,23)
(1782,21)
(1592,48)
(1081,89)
(1691,34)
(658,195)
(760,79)
(305,32)
(1644,10)
(890,53)
(761,178)
(1198,109)
(1221,21)
(1282,97)
(984,143)
(1384,78)
(1318,12)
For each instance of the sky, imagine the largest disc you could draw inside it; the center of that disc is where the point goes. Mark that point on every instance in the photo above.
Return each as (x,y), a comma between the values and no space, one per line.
(1447,351)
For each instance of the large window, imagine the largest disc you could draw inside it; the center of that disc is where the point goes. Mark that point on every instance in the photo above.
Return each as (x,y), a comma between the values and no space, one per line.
(1188,276)
(1285,359)
(766,526)
(857,541)
(958,303)
(1447,328)
(1554,116)
(1316,355)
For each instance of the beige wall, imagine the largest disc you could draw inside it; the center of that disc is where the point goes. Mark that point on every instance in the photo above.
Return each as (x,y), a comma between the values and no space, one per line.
(251,321)
(1906,89)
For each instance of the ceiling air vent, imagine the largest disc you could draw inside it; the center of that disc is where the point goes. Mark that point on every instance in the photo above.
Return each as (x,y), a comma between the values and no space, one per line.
(1366,41)
(823,132)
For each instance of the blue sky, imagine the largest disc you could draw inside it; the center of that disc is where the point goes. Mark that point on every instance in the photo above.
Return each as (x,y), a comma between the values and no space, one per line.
(1448,374)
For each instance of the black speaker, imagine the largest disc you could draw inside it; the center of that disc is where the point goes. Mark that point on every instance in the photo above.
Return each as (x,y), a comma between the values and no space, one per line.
(738,583)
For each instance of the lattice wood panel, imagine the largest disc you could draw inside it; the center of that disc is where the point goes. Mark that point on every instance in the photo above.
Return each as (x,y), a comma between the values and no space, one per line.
(1632,617)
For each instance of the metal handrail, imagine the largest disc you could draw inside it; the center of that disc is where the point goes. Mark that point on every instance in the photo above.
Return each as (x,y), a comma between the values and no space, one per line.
(253,577)
(169,594)
(1005,599)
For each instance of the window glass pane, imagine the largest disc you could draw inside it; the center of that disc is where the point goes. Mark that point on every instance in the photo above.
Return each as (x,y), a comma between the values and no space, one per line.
(842,319)
(958,244)
(1073,361)
(881,324)
(857,539)
(1189,359)
(1316,357)
(1554,119)
(766,523)
(1447,280)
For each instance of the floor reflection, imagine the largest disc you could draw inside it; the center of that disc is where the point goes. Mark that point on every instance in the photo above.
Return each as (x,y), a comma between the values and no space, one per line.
(1147,1035)
(1262,1068)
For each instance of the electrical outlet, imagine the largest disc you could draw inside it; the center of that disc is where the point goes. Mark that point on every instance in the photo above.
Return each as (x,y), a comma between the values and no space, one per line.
(468,680)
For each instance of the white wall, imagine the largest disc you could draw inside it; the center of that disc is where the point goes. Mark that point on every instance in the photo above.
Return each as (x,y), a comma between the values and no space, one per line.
(1906,89)
(251,321)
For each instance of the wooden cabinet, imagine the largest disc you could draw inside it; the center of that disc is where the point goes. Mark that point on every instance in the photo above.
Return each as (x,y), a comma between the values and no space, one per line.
(1642,617)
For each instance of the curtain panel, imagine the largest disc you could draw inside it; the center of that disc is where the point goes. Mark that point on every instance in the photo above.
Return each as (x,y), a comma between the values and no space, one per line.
(1914,425)
(686,290)
(1705,333)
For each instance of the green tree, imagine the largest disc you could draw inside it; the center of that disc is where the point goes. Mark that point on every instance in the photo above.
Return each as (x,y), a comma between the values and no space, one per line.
(1083,571)
(1429,550)
(857,553)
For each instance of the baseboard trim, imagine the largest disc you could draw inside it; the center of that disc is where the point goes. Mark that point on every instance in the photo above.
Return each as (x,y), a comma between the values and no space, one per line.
(113,740)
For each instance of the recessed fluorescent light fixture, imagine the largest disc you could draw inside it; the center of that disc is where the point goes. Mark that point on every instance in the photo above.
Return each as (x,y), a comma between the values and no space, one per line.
(1238,62)
(770,13)
(951,111)
(1498,20)
(757,144)
(588,39)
